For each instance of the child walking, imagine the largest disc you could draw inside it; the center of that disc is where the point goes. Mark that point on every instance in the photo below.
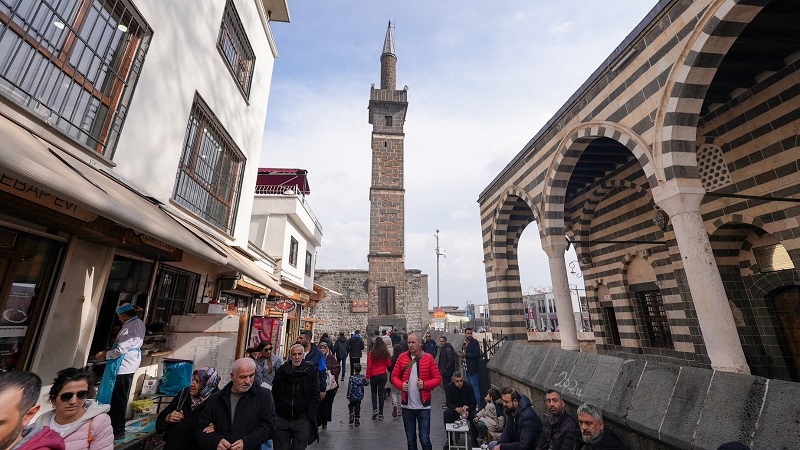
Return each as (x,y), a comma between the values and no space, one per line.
(355,393)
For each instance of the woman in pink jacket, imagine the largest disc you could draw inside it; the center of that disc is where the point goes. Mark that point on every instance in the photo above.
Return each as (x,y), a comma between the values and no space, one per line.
(378,362)
(82,423)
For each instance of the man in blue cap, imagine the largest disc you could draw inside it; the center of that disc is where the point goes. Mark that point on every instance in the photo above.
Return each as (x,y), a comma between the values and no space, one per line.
(123,360)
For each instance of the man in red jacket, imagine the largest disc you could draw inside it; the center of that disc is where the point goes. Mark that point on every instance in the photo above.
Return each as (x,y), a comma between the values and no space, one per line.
(19,392)
(415,374)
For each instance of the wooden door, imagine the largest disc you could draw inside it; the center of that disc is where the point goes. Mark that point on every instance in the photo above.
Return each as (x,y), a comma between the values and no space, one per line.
(787,309)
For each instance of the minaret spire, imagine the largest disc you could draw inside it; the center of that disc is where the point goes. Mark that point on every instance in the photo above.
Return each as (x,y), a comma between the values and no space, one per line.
(389,62)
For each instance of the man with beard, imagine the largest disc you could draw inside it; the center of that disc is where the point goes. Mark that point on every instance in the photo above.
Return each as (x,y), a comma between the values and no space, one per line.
(522,424)
(560,430)
(239,417)
(19,392)
(312,354)
(594,434)
(296,391)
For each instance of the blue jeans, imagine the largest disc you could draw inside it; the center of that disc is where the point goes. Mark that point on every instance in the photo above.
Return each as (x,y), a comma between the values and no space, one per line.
(472,378)
(422,417)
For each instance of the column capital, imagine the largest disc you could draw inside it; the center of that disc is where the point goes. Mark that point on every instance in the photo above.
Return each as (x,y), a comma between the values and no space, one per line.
(555,246)
(675,199)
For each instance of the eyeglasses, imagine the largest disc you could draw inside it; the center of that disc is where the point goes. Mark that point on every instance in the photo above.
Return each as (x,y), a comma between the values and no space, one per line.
(67,396)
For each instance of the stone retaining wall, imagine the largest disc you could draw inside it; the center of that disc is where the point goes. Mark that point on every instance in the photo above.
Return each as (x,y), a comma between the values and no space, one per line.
(655,405)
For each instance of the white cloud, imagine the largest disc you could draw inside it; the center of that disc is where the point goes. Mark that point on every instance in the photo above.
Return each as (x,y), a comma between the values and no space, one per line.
(482,83)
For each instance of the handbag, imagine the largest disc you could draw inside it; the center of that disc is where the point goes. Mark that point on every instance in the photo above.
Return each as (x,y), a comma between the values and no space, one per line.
(331,383)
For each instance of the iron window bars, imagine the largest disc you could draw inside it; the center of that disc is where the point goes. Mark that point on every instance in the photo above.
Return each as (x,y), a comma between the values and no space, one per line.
(655,319)
(235,48)
(74,63)
(209,178)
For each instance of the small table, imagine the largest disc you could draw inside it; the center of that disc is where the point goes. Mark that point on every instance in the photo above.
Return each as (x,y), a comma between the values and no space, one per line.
(452,435)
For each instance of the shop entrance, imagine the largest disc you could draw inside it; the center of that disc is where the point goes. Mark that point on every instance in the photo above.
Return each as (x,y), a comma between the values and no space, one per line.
(27,266)
(787,308)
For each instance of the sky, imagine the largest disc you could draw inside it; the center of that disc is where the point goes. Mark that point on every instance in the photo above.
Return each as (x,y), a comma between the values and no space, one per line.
(482,77)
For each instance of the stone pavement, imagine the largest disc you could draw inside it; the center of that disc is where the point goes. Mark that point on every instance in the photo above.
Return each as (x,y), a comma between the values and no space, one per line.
(374,434)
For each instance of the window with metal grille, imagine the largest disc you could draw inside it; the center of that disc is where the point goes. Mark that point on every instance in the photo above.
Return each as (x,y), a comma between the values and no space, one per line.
(74,63)
(235,48)
(210,174)
(386,299)
(174,293)
(308,263)
(655,319)
(293,249)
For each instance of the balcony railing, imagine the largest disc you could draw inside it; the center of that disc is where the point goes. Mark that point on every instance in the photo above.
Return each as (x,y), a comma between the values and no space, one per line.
(288,191)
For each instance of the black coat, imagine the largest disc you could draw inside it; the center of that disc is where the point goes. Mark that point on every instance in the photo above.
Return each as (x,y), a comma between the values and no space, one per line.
(255,419)
(430,347)
(472,355)
(564,433)
(456,398)
(522,428)
(608,441)
(340,348)
(180,435)
(355,345)
(447,361)
(296,391)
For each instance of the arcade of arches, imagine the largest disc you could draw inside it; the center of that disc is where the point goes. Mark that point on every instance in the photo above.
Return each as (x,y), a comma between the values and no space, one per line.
(674,174)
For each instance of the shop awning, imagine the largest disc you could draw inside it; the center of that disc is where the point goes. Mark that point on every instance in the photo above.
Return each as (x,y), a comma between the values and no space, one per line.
(243,264)
(30,164)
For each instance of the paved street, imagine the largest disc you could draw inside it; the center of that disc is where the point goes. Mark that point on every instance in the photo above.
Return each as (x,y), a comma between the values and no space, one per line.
(373,434)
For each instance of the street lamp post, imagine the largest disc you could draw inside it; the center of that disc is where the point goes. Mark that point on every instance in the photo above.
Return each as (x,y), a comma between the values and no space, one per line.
(439,252)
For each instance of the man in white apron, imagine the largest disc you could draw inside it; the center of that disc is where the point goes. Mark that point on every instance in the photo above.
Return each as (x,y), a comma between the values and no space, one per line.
(123,360)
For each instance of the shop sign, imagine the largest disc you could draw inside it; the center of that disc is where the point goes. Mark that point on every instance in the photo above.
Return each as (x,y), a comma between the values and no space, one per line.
(153,242)
(360,306)
(439,313)
(37,195)
(7,332)
(285,305)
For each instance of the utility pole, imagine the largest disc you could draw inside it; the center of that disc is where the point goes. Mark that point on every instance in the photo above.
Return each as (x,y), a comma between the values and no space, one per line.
(439,252)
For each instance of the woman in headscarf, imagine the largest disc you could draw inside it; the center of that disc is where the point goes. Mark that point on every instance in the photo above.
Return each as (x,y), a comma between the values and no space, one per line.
(266,362)
(177,421)
(325,408)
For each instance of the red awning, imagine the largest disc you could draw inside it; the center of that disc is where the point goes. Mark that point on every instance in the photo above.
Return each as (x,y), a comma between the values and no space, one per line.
(295,179)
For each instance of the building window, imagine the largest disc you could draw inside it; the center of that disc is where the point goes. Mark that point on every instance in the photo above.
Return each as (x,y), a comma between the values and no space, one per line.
(611,322)
(210,174)
(772,258)
(293,248)
(308,263)
(386,300)
(387,120)
(655,319)
(174,294)
(74,63)
(235,48)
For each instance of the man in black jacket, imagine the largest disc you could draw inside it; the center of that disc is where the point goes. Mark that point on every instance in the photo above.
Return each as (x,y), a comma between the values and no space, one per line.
(239,417)
(314,355)
(522,424)
(296,391)
(340,351)
(560,431)
(594,434)
(447,358)
(471,354)
(429,345)
(355,345)
(458,397)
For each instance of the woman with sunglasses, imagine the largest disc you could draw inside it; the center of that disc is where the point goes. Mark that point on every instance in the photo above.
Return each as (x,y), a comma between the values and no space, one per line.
(178,420)
(266,362)
(82,423)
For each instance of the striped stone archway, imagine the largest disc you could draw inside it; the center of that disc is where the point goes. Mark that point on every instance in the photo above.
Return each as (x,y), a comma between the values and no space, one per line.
(691,76)
(567,156)
(515,212)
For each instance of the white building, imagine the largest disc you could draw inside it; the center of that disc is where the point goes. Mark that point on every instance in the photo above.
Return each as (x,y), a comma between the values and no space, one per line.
(130,134)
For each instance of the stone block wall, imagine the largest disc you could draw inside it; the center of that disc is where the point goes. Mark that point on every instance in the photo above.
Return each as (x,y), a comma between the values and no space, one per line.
(335,313)
(654,405)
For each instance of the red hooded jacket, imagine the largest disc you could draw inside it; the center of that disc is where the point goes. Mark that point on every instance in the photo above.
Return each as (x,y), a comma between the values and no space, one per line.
(426,371)
(42,439)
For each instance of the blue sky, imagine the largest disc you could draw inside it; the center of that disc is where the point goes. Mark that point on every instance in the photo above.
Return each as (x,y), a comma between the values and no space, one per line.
(483,78)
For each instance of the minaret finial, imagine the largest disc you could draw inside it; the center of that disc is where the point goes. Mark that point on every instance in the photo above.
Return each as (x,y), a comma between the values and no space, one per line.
(388,62)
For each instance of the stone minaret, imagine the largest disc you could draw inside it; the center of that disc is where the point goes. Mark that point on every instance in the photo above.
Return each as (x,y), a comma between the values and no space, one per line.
(387,114)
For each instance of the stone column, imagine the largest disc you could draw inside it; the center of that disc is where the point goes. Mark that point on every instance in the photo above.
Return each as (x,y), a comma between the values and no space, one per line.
(682,204)
(555,246)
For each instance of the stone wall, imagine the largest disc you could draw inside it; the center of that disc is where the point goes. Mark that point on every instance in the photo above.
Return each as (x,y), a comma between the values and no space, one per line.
(335,313)
(654,405)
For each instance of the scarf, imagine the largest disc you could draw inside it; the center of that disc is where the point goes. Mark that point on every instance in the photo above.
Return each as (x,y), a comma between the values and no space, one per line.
(209,378)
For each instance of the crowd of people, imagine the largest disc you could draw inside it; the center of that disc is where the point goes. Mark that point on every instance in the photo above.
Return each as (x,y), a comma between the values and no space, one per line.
(271,403)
